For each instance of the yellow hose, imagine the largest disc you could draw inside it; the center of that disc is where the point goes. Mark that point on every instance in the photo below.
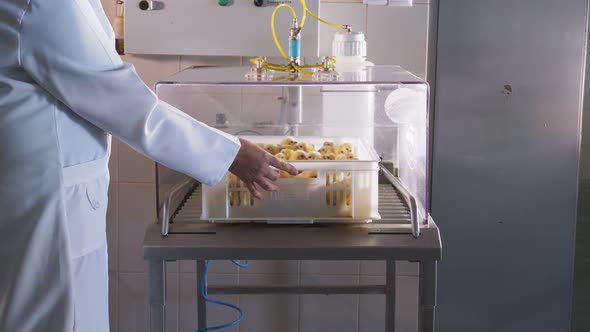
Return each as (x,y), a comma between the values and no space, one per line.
(338,26)
(291,67)
(272,27)
(303,13)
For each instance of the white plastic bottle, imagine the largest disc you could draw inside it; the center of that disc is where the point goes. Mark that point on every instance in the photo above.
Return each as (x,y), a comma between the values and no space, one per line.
(349,111)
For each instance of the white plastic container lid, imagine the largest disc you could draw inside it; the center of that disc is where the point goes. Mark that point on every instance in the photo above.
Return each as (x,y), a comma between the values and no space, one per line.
(349,43)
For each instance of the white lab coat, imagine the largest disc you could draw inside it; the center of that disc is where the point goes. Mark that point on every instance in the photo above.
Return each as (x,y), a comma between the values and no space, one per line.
(63,89)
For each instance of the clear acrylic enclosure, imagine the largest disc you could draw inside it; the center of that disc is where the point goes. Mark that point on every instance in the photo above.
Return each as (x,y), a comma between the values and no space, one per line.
(385,107)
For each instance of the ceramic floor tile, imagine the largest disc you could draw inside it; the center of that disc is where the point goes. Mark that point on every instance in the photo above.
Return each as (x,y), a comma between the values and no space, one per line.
(133,309)
(136,212)
(329,312)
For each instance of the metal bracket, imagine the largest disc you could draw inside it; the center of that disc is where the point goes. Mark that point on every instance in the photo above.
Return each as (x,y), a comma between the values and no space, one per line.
(408,198)
(167,206)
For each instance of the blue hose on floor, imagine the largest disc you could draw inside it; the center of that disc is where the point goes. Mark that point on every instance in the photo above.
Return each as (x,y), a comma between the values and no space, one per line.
(208,299)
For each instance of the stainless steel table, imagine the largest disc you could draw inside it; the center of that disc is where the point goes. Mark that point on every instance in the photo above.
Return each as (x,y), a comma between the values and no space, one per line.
(389,240)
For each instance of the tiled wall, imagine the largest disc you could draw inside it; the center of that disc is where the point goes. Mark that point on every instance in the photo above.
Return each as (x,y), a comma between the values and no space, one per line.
(395,36)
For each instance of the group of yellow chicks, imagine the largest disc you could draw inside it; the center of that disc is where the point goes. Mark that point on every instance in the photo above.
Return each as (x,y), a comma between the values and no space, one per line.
(290,149)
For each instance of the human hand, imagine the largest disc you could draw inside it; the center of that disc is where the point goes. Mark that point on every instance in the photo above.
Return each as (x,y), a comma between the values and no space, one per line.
(253,166)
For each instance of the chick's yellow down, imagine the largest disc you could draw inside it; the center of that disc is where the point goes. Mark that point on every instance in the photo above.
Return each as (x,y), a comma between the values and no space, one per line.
(346,146)
(313,155)
(298,155)
(289,141)
(329,144)
(307,147)
(341,150)
(287,153)
(272,148)
(351,156)
(307,174)
(330,156)
(325,150)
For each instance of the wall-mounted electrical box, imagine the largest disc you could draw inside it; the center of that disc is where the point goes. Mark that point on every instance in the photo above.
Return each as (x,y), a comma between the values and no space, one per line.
(214,27)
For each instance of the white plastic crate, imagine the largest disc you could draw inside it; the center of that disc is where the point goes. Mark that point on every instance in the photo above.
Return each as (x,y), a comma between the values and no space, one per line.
(342,190)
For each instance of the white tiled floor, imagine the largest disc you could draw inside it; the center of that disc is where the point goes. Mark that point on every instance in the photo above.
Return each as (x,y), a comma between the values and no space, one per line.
(330,267)
(271,267)
(377,268)
(372,307)
(269,312)
(133,302)
(113,301)
(216,314)
(137,209)
(172,301)
(329,312)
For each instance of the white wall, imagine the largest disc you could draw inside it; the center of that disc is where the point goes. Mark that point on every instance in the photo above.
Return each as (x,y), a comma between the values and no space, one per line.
(395,36)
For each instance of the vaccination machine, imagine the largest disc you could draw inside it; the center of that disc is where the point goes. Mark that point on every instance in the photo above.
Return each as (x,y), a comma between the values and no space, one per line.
(357,132)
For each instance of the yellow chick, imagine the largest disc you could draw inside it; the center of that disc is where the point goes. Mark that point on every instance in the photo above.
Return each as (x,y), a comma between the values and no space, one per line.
(288,141)
(298,155)
(307,147)
(326,149)
(287,153)
(272,148)
(330,156)
(307,174)
(329,144)
(313,155)
(341,150)
(351,156)
(346,146)
(341,157)
(281,155)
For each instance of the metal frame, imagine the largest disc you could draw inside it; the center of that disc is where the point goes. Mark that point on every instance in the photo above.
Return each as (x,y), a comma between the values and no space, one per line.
(427,294)
(208,241)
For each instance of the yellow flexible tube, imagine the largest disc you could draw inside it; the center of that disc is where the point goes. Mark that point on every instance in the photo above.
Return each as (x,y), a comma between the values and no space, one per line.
(272,27)
(303,14)
(338,26)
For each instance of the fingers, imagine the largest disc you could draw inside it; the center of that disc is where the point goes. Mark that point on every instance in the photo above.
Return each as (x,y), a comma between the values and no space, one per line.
(285,166)
(265,184)
(272,174)
(253,190)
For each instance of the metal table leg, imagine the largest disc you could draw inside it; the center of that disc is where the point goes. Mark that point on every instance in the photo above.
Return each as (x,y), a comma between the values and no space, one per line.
(201,304)
(390,296)
(427,296)
(157,280)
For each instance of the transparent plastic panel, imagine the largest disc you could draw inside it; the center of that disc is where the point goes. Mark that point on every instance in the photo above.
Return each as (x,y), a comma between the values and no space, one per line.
(387,111)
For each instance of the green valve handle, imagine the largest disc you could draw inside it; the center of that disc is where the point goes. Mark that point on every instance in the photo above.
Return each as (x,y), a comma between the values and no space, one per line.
(223,2)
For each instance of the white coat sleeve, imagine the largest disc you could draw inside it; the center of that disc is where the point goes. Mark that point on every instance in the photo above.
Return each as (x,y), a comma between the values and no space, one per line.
(65,49)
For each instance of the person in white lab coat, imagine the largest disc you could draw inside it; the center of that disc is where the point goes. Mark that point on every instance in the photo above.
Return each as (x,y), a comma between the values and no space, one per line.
(63,90)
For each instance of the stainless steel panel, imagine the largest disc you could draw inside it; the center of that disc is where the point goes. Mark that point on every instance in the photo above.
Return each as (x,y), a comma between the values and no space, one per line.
(505,161)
